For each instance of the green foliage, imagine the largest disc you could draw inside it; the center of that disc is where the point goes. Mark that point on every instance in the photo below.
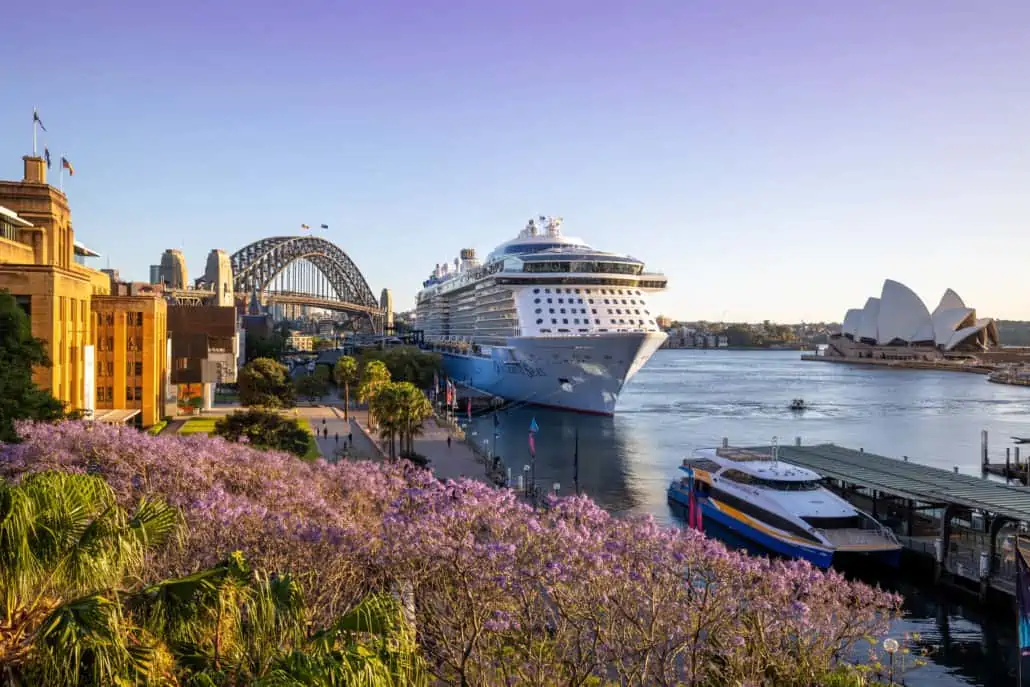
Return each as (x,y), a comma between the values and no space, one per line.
(264,382)
(400,408)
(313,386)
(271,346)
(157,427)
(374,375)
(265,429)
(75,614)
(65,545)
(407,364)
(20,398)
(345,373)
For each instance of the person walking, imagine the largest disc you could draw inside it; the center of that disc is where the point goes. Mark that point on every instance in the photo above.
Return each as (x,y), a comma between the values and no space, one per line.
(350,438)
(337,436)
(325,432)
(448,441)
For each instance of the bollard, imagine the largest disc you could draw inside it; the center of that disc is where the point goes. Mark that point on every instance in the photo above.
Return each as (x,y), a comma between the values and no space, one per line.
(797,441)
(725,442)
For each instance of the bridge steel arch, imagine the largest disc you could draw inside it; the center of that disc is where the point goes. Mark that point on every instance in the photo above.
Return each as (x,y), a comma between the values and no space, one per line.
(254,266)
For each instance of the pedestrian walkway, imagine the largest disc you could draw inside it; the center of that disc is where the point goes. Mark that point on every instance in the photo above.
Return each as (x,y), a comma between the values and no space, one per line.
(448,462)
(331,435)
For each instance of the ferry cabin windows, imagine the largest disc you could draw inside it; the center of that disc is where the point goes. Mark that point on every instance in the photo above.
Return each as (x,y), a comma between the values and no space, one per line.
(584,266)
(741,477)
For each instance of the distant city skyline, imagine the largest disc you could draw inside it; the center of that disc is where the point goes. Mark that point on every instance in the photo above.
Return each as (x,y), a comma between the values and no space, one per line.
(776,160)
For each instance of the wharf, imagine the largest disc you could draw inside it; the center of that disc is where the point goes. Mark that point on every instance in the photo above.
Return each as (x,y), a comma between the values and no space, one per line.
(927,507)
(980,369)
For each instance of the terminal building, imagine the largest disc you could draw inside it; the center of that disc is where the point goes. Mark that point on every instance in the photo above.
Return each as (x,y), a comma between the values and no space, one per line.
(897,325)
(108,351)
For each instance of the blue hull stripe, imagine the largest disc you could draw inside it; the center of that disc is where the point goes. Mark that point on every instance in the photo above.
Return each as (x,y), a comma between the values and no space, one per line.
(817,557)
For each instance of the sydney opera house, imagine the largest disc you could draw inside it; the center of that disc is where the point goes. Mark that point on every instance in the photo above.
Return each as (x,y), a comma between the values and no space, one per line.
(898,326)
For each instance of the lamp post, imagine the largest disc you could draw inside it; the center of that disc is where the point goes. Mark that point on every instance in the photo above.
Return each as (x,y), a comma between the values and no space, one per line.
(890,645)
(525,473)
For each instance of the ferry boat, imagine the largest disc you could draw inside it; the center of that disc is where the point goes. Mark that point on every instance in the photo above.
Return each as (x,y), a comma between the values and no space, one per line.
(779,508)
(546,319)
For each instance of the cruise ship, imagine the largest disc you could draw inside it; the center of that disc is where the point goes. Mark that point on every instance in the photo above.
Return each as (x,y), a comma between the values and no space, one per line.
(545,319)
(777,507)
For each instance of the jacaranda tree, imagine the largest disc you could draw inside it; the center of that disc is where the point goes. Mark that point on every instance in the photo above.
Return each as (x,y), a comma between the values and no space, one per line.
(499,593)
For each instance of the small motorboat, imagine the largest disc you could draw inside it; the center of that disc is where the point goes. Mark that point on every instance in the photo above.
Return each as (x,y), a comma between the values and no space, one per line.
(798,404)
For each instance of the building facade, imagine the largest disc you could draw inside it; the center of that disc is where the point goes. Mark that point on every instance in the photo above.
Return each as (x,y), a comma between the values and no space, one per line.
(204,351)
(41,265)
(129,334)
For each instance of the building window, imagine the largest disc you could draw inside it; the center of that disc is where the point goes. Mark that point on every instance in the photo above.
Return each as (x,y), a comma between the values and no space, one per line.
(110,394)
(139,393)
(539,321)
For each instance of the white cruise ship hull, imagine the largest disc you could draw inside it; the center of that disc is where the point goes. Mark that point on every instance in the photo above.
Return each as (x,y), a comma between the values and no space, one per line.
(584,373)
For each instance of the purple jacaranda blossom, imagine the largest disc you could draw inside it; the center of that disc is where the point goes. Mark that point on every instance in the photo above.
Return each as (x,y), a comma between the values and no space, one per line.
(501,593)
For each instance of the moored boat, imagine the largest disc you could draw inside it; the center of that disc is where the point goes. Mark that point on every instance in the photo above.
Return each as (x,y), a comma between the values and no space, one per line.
(778,508)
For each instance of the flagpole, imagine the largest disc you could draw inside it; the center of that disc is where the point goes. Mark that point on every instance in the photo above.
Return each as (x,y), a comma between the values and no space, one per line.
(60,175)
(34,110)
(575,463)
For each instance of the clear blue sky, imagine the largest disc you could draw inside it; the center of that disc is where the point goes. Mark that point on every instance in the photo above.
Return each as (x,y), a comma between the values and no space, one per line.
(776,159)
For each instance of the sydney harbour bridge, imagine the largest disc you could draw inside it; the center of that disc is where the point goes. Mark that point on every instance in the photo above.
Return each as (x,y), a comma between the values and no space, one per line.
(288,271)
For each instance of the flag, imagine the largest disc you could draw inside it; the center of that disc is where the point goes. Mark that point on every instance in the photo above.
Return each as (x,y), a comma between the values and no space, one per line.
(305,226)
(67,165)
(532,445)
(37,120)
(533,429)
(1023,609)
(325,226)
(46,156)
(533,426)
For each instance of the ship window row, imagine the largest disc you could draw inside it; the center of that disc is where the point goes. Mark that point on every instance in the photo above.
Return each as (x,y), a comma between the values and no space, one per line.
(613,301)
(581,266)
(603,292)
(586,320)
(593,311)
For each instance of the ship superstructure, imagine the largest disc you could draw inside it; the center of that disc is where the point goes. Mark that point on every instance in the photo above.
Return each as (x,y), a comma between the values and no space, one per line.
(544,319)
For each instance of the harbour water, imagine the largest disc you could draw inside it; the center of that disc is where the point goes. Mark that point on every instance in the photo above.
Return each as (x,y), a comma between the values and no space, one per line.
(687,399)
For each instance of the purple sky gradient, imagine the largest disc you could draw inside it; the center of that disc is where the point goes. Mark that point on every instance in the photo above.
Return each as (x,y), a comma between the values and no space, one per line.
(777,160)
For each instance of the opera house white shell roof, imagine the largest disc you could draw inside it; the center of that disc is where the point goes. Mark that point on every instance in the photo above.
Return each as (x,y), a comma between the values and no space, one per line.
(900,317)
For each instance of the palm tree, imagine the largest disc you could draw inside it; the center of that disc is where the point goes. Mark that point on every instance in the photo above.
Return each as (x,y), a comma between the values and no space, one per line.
(415,409)
(388,406)
(66,548)
(374,376)
(345,372)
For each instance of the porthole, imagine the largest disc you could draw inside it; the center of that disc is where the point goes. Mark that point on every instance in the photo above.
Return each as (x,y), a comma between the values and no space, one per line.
(597,321)
(590,301)
(549,300)
(547,291)
(536,300)
(563,311)
(554,321)
(551,310)
(538,311)
(536,290)
(561,300)
(564,321)
(539,321)
(575,321)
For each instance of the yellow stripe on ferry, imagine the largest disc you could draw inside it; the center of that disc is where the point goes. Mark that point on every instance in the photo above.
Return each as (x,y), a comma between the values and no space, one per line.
(762,527)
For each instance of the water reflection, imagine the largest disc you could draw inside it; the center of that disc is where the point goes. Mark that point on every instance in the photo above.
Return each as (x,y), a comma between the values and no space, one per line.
(604,447)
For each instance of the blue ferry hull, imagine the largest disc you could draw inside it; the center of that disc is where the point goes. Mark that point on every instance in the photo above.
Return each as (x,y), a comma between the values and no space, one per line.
(753,538)
(584,374)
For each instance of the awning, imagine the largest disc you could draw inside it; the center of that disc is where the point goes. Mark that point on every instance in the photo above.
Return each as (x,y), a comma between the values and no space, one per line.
(114,417)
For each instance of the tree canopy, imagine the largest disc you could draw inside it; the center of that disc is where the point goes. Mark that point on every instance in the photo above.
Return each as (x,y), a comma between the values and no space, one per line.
(407,364)
(20,398)
(265,382)
(264,429)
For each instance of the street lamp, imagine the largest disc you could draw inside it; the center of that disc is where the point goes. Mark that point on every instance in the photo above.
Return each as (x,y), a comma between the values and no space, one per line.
(890,645)
(525,473)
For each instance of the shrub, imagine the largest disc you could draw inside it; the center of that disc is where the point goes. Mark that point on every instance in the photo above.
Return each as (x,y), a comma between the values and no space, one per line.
(265,429)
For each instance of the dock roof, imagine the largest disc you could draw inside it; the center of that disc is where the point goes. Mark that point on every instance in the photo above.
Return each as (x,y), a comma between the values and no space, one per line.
(909,480)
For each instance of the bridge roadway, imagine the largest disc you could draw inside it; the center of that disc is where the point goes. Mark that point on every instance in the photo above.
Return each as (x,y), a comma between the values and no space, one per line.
(918,499)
